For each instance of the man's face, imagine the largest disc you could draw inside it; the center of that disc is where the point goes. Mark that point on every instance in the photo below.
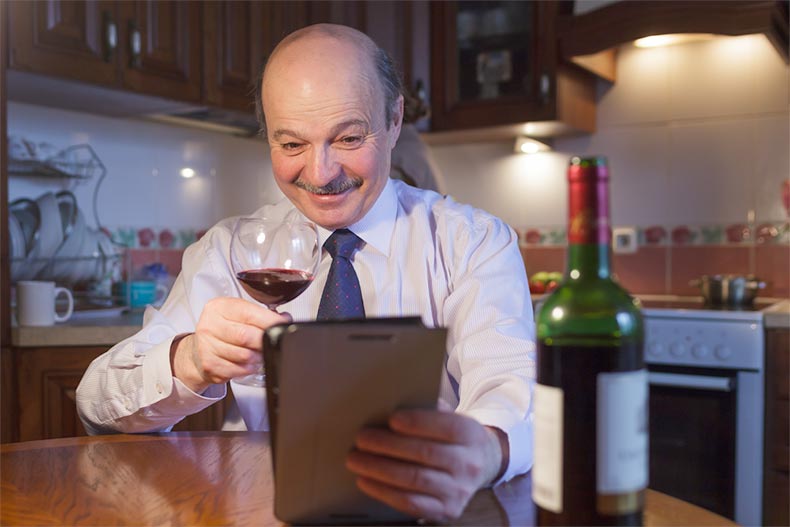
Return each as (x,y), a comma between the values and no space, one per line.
(330,144)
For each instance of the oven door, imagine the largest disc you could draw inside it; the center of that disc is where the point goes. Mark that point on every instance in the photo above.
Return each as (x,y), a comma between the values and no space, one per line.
(693,436)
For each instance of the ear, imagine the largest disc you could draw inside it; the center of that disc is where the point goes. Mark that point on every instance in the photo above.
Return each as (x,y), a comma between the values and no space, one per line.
(397,121)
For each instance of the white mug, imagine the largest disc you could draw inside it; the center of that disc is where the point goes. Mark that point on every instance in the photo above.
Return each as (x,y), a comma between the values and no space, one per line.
(35,303)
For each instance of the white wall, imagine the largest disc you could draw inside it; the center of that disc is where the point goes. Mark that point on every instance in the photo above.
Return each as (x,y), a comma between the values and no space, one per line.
(694,133)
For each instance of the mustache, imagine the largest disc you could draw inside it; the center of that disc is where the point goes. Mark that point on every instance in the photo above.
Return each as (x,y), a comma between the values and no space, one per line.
(336,186)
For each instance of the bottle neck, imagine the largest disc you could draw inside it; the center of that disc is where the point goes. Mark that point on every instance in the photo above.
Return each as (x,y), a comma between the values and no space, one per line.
(587,261)
(589,231)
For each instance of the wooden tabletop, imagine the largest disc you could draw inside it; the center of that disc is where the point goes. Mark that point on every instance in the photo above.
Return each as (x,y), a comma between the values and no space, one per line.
(206,478)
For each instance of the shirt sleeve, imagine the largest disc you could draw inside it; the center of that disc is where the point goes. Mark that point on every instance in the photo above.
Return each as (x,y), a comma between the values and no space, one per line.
(131,387)
(491,334)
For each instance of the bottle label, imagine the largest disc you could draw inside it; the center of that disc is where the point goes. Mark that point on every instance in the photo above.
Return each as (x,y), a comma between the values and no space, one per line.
(622,432)
(547,468)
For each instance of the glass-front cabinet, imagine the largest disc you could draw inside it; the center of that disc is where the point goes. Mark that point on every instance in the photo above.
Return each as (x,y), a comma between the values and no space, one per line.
(494,63)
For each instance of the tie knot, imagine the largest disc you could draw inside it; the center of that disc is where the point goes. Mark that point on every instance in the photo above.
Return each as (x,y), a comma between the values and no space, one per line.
(342,243)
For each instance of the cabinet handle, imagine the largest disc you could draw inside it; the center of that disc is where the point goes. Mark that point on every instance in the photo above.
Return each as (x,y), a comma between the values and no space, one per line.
(699,382)
(110,36)
(545,88)
(135,44)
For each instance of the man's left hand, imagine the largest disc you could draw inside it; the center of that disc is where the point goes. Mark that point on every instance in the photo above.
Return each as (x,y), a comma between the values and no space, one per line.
(428,464)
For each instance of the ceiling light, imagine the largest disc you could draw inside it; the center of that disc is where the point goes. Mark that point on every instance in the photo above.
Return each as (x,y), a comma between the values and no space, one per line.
(187,172)
(527,145)
(654,41)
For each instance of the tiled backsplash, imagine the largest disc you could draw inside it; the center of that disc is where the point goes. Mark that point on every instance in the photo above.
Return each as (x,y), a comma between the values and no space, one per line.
(667,259)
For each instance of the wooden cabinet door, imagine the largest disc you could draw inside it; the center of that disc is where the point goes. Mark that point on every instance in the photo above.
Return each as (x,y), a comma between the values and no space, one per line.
(64,38)
(234,44)
(46,385)
(492,63)
(161,54)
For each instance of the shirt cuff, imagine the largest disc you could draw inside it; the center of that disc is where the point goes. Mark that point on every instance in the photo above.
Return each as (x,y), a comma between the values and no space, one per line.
(171,396)
(519,437)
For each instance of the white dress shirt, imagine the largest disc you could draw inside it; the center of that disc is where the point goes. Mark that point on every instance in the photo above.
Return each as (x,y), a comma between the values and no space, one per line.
(424,254)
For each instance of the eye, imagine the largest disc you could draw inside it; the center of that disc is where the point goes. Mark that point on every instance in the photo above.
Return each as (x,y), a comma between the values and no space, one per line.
(351,140)
(290,147)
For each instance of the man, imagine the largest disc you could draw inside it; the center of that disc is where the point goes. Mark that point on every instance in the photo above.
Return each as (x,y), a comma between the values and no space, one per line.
(331,109)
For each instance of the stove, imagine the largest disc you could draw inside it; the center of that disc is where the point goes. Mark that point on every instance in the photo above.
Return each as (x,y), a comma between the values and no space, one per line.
(706,372)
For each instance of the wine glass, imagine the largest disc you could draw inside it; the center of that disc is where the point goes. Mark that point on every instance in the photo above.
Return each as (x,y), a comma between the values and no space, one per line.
(275,261)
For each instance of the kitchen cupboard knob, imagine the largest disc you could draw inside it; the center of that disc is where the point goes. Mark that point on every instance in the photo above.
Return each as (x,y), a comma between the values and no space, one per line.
(723,352)
(700,351)
(655,348)
(135,44)
(677,349)
(110,36)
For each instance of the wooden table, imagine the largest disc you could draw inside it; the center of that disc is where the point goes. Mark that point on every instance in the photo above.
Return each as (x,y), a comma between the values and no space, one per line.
(205,478)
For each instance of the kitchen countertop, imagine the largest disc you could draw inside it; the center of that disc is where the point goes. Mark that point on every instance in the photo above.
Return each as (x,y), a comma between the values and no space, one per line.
(111,330)
(94,331)
(777,315)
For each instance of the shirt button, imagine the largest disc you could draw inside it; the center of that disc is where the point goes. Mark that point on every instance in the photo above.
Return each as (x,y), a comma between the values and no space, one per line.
(159,387)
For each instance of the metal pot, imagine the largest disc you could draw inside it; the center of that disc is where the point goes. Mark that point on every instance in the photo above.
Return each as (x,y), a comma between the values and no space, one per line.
(728,290)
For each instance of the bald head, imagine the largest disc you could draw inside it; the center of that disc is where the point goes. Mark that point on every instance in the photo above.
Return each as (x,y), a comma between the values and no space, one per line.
(351,53)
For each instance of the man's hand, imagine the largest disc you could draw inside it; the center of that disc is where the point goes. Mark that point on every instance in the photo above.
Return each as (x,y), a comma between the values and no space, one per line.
(227,343)
(428,464)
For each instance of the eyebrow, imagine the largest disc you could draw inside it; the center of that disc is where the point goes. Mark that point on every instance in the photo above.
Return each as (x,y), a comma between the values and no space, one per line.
(335,129)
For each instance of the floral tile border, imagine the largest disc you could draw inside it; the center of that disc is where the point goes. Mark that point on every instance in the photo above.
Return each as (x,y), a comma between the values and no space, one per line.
(731,234)
(151,238)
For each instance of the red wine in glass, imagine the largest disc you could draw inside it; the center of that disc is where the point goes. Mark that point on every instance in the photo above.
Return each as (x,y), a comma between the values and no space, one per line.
(273,287)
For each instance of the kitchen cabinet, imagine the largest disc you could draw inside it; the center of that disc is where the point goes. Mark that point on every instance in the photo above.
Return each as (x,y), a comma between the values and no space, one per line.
(42,381)
(150,48)
(239,36)
(776,487)
(496,63)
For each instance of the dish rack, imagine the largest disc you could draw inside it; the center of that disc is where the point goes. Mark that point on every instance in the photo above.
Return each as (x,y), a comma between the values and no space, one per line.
(92,290)
(76,162)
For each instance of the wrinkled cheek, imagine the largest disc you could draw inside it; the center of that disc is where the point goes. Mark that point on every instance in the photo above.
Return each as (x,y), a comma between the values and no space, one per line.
(286,169)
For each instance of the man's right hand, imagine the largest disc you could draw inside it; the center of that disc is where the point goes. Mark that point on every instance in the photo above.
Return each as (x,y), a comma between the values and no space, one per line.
(227,343)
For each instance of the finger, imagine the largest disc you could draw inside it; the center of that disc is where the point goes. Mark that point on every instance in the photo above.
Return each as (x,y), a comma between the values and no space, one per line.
(220,366)
(406,476)
(413,504)
(407,448)
(246,312)
(239,335)
(436,425)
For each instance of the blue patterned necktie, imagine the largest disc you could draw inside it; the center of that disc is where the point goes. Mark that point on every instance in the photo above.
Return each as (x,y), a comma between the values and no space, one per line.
(342,297)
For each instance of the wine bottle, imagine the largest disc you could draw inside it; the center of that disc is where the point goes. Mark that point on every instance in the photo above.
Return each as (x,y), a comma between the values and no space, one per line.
(590,407)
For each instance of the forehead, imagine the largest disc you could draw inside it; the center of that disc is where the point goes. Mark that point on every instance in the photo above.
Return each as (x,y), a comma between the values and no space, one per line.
(321,77)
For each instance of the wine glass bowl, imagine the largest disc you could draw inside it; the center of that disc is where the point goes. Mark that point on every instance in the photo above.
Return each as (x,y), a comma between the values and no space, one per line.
(274,261)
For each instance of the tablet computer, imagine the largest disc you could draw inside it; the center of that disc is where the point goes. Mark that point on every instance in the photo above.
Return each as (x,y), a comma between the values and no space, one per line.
(324,382)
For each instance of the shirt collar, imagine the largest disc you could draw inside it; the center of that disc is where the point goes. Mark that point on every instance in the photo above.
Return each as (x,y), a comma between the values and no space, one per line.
(376,227)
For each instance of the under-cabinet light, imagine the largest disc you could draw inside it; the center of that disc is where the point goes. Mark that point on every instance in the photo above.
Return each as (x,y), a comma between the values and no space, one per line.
(527,145)
(654,41)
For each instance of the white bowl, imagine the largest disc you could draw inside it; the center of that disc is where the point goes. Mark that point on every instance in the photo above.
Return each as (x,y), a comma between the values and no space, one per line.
(26,212)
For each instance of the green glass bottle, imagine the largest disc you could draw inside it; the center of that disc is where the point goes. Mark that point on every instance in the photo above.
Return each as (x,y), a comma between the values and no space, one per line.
(591,459)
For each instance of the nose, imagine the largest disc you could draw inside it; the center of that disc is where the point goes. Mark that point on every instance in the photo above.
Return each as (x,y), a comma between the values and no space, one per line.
(321,166)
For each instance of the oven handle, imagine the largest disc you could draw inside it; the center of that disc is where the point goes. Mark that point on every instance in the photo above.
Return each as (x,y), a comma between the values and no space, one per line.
(700,382)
